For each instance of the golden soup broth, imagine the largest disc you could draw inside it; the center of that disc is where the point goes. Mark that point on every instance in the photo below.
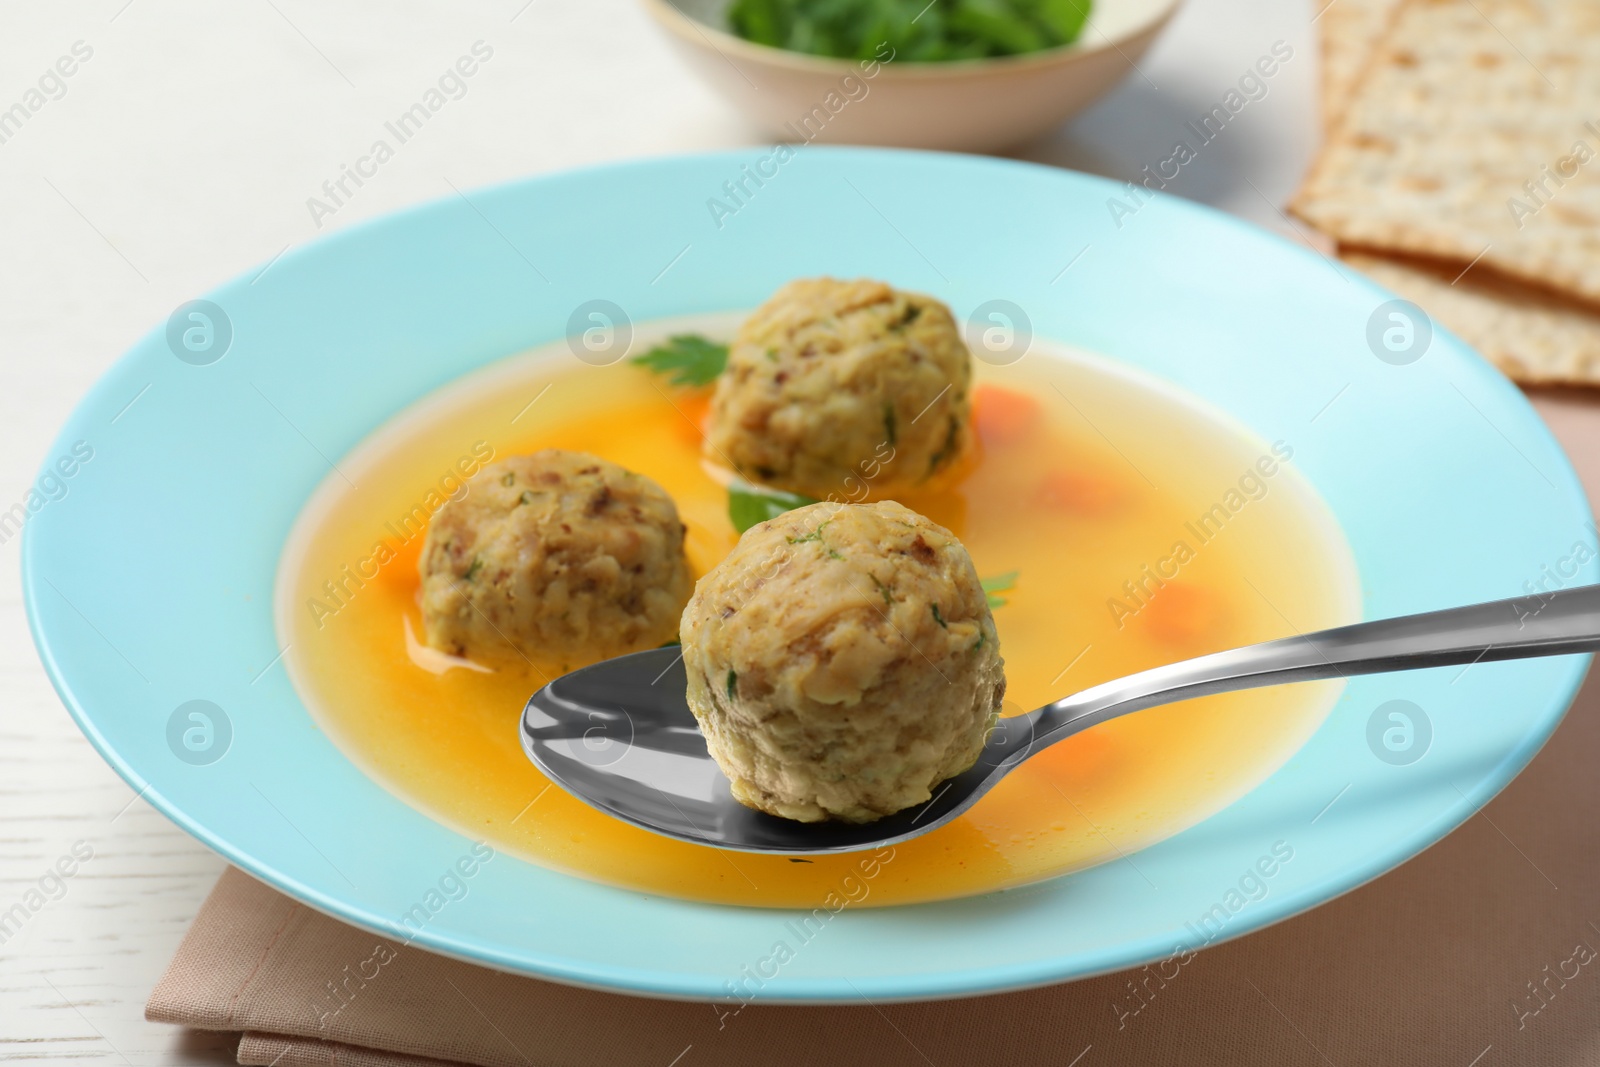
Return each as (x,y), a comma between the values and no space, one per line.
(1088,475)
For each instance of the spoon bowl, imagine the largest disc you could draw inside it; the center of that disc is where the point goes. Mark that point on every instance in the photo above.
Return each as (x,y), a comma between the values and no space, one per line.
(619,734)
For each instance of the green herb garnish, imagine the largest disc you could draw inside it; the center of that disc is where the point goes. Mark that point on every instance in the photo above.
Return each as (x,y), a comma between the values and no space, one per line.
(474,567)
(1000,583)
(914,31)
(689,358)
(814,535)
(733,680)
(748,506)
(939,618)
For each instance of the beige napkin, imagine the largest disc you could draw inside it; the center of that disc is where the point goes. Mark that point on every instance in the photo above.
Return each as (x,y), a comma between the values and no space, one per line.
(1483,951)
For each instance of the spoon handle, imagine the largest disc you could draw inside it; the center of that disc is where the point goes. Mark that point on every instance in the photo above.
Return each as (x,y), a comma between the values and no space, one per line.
(1540,624)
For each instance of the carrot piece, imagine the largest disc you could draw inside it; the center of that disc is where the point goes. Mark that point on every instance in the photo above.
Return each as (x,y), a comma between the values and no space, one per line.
(401,570)
(1182,614)
(1080,493)
(695,408)
(1003,416)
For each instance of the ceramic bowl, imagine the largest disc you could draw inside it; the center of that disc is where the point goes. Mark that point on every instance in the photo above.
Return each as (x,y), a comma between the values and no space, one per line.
(978,105)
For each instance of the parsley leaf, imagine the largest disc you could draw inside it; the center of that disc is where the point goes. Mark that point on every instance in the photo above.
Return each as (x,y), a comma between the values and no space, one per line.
(1000,583)
(748,506)
(689,358)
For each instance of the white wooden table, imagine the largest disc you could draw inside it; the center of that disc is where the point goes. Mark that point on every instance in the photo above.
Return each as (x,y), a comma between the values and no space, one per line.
(182,152)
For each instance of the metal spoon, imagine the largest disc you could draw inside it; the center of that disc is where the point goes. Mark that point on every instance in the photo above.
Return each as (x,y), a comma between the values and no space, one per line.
(619,734)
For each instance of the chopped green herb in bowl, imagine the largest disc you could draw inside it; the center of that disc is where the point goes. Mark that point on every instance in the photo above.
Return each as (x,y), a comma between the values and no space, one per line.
(918,31)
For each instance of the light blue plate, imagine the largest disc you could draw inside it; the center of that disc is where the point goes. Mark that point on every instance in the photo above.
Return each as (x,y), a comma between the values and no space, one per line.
(150,582)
